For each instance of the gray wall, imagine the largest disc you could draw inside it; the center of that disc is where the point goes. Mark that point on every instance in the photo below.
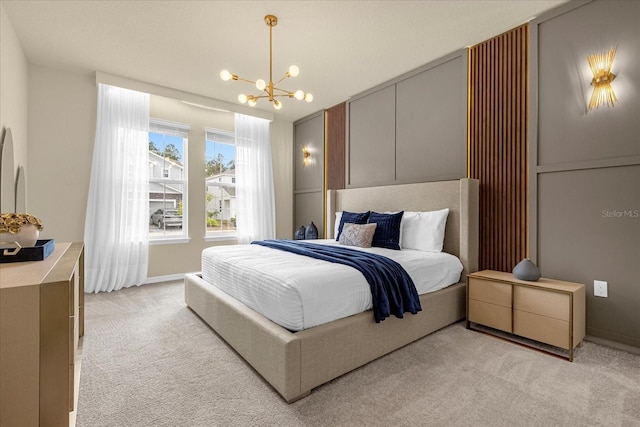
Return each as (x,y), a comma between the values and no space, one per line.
(410,129)
(585,168)
(309,180)
(14,90)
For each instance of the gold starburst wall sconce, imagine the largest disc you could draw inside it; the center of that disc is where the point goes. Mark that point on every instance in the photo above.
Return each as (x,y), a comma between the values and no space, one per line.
(306,156)
(600,64)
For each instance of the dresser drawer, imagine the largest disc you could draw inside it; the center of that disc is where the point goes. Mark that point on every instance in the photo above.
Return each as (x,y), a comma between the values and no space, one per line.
(542,302)
(489,291)
(72,385)
(492,315)
(73,339)
(540,328)
(74,284)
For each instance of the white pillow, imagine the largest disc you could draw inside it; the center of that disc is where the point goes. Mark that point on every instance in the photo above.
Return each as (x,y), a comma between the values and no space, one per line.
(337,224)
(424,231)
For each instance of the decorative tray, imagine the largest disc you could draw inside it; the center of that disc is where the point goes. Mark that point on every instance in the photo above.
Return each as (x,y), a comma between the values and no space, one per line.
(41,250)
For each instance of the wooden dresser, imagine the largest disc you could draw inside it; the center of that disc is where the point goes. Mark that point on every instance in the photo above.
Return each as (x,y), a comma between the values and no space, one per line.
(548,311)
(41,320)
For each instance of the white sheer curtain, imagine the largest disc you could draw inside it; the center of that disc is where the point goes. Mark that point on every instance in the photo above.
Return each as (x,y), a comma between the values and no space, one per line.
(254,185)
(117,221)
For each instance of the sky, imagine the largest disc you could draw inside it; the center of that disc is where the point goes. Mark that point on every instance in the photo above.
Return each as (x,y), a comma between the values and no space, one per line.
(211,149)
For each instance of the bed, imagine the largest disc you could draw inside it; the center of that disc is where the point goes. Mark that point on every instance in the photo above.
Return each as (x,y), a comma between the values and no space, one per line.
(296,362)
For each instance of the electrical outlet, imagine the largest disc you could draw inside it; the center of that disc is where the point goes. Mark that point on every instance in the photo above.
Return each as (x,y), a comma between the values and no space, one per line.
(600,288)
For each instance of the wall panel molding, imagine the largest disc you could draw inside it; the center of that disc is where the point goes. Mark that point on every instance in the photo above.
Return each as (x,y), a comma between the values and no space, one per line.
(497,144)
(309,180)
(584,167)
(411,128)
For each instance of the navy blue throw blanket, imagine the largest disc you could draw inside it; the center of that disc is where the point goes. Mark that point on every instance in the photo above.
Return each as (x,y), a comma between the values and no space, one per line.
(392,289)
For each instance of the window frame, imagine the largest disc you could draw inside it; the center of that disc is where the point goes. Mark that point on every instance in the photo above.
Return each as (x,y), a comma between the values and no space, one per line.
(228,138)
(181,130)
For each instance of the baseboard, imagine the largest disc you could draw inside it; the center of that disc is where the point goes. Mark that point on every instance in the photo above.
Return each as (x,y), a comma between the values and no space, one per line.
(168,278)
(612,344)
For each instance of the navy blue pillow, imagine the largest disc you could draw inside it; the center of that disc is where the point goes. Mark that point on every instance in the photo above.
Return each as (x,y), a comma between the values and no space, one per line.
(353,218)
(387,231)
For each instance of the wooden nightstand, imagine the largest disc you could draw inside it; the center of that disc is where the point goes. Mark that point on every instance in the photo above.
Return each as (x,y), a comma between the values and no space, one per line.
(548,311)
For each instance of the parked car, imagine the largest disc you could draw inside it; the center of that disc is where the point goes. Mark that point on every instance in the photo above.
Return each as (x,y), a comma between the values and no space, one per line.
(166,218)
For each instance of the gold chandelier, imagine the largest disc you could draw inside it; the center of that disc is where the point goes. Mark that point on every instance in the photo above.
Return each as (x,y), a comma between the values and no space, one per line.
(271,92)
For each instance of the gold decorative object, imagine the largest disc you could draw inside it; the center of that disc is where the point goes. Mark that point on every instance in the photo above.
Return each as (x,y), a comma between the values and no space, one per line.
(13,222)
(19,230)
(271,91)
(600,64)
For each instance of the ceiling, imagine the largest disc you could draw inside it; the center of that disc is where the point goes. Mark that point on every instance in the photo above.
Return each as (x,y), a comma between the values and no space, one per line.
(341,47)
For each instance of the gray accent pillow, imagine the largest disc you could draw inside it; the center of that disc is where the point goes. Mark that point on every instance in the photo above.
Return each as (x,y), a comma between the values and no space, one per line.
(360,235)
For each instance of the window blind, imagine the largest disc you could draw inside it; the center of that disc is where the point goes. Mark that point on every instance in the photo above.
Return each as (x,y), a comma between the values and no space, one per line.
(219,135)
(169,128)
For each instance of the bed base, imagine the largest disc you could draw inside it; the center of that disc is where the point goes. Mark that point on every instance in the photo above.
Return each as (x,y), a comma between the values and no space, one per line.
(295,363)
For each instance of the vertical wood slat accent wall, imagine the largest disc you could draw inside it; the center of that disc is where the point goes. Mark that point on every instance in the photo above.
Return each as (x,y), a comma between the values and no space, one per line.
(497,138)
(335,140)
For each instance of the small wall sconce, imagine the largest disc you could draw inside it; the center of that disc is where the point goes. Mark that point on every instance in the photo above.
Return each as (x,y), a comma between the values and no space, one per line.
(306,156)
(600,64)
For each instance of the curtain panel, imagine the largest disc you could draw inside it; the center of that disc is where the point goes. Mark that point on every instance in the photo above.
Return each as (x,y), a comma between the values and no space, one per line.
(117,219)
(254,185)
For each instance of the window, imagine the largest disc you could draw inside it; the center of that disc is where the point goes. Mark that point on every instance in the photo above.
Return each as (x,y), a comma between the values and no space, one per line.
(220,182)
(167,179)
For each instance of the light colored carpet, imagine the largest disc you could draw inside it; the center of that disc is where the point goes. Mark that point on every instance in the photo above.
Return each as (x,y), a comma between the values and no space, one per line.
(150,361)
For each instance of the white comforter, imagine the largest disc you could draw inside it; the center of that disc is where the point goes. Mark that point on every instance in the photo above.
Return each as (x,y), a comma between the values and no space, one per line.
(299,292)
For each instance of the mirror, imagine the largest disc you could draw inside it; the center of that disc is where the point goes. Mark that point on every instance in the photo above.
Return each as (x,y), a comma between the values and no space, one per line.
(21,190)
(7,174)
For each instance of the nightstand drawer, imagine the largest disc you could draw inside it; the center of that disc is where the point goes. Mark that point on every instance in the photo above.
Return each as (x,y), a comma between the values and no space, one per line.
(541,328)
(542,302)
(548,311)
(489,291)
(492,315)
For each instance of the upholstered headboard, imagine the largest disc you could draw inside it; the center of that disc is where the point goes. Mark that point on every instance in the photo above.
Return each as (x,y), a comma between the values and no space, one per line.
(460,196)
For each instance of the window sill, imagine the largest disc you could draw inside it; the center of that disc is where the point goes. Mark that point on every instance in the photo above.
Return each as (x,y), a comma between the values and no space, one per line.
(169,241)
(222,238)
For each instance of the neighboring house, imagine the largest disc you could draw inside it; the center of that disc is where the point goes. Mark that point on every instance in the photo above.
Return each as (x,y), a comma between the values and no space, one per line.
(221,190)
(164,195)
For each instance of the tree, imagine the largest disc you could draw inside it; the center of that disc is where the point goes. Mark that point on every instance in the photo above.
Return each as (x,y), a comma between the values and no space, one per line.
(153,148)
(214,167)
(172,152)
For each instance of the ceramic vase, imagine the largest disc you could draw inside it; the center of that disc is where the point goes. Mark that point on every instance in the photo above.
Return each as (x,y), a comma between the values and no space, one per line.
(311,232)
(526,270)
(26,237)
(299,235)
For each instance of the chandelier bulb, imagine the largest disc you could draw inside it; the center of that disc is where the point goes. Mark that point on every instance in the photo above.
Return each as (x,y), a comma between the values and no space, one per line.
(268,87)
(225,75)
